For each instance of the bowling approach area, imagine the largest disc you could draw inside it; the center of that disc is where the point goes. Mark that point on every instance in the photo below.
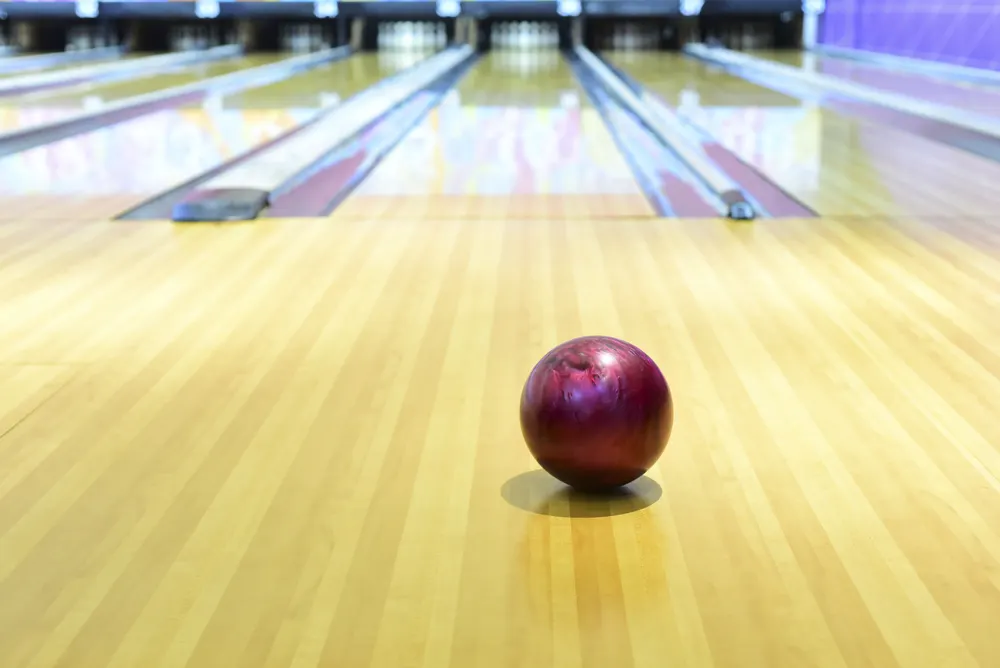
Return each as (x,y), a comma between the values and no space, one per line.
(270,295)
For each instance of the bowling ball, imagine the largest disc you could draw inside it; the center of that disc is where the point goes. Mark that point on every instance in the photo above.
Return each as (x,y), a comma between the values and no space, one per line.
(596,413)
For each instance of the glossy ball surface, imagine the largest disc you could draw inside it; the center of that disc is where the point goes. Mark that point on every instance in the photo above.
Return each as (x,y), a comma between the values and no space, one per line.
(596,413)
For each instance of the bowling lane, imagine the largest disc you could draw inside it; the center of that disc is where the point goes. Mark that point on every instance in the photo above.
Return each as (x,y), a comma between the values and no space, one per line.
(516,138)
(57,67)
(24,111)
(101,173)
(144,82)
(326,84)
(965,95)
(836,164)
(676,78)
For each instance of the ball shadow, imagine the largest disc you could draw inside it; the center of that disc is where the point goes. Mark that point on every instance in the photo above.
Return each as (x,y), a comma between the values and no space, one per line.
(538,492)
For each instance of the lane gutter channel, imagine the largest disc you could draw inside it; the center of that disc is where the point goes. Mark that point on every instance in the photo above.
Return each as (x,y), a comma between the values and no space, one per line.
(642,92)
(397,123)
(602,100)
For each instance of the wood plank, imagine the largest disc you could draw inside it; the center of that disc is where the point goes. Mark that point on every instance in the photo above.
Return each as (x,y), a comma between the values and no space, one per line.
(295,443)
(494,207)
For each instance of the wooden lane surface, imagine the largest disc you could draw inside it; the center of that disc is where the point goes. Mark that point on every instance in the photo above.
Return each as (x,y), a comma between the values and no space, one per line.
(837,165)
(102,173)
(517,138)
(295,444)
(141,83)
(62,210)
(53,67)
(343,78)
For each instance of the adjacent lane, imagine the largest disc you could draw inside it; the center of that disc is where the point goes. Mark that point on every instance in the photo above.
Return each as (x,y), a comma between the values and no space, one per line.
(965,95)
(834,164)
(516,138)
(137,159)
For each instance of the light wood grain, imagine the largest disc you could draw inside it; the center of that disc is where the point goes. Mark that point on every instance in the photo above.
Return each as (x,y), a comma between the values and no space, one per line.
(495,207)
(295,444)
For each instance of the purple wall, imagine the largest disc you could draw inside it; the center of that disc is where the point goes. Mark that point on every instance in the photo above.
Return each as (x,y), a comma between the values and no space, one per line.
(960,32)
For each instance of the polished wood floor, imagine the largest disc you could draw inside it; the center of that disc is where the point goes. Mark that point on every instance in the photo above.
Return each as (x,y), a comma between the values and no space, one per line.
(295,444)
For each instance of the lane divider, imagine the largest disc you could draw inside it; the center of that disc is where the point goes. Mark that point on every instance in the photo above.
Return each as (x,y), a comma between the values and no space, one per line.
(335,176)
(118,69)
(40,60)
(245,190)
(676,136)
(16,141)
(928,110)
(673,189)
(940,71)
(767,198)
